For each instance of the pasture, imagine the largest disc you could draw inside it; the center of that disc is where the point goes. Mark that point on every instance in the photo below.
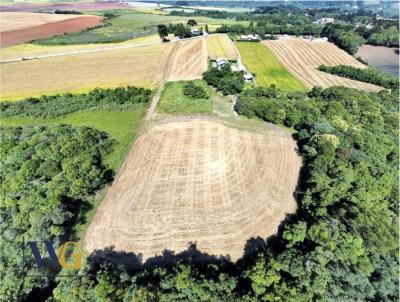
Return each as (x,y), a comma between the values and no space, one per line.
(220,46)
(268,71)
(141,66)
(198,181)
(173,100)
(302,58)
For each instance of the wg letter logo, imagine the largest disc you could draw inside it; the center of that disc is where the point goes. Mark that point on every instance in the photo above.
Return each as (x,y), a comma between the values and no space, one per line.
(59,259)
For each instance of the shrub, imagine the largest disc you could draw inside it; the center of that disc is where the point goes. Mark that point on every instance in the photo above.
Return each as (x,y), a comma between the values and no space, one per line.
(193,91)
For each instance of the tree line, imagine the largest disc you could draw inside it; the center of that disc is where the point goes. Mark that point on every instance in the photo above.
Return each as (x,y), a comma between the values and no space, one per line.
(61,104)
(368,75)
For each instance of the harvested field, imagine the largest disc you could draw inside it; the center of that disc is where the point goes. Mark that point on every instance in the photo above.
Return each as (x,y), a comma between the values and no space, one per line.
(220,46)
(19,28)
(302,58)
(80,6)
(187,61)
(16,21)
(198,181)
(142,66)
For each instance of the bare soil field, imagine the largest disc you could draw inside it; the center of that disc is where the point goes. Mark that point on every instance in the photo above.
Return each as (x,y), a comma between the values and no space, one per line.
(302,57)
(17,28)
(142,66)
(187,61)
(89,6)
(195,180)
(220,46)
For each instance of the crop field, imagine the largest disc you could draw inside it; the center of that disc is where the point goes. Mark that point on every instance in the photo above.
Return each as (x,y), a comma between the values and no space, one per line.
(261,62)
(302,58)
(220,46)
(13,21)
(187,60)
(141,66)
(198,181)
(29,50)
(127,25)
(173,101)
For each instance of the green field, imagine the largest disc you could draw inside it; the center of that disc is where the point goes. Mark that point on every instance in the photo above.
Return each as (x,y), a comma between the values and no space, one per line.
(173,101)
(260,61)
(122,126)
(127,25)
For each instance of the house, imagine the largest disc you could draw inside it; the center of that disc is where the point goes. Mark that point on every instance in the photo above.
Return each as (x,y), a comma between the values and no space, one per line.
(324,21)
(195,32)
(221,62)
(249,37)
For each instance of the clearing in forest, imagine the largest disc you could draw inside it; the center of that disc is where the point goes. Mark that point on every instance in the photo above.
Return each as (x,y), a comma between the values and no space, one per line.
(187,60)
(261,62)
(198,181)
(302,58)
(220,46)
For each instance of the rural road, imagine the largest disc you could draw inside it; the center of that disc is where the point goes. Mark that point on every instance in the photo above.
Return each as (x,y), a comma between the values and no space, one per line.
(154,102)
(132,45)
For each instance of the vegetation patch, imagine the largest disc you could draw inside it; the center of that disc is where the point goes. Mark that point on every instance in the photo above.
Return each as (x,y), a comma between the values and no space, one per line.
(267,70)
(185,98)
(225,80)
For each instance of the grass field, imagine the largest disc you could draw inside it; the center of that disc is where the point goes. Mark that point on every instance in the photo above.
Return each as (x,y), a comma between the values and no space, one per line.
(142,66)
(121,126)
(129,24)
(220,46)
(260,61)
(173,101)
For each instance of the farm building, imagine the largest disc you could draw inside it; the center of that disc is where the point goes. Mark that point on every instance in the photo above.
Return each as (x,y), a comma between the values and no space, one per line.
(249,37)
(323,39)
(196,32)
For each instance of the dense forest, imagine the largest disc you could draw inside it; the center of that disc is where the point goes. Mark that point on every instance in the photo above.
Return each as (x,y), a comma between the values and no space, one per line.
(57,105)
(340,246)
(368,75)
(48,178)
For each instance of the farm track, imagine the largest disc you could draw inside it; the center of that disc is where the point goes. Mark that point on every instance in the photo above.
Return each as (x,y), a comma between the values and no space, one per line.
(197,181)
(302,57)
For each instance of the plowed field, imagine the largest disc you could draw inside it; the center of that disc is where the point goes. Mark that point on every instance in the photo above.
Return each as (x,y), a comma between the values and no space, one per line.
(198,181)
(302,57)
(187,61)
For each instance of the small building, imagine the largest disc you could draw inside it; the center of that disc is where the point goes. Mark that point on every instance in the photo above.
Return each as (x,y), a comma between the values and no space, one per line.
(248,77)
(323,39)
(195,32)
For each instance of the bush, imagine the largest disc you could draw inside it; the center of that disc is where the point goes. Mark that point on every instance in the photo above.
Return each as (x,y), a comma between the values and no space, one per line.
(193,91)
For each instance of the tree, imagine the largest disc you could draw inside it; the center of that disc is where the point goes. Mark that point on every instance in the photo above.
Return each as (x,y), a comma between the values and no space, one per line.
(192,22)
(206,28)
(162,32)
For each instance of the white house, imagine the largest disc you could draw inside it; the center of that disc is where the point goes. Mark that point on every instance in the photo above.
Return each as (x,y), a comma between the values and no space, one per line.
(221,62)
(249,37)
